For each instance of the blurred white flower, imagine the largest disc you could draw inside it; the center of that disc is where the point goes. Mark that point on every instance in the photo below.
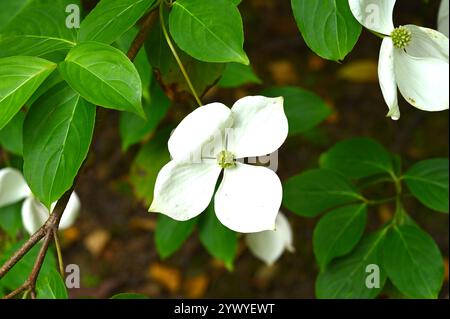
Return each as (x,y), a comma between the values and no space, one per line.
(443,18)
(13,188)
(269,245)
(249,197)
(412,58)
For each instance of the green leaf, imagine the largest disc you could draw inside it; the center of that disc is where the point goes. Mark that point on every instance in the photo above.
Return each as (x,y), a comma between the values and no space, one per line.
(428,182)
(11,136)
(170,234)
(208,30)
(128,295)
(304,109)
(111,18)
(10,9)
(104,76)
(219,241)
(203,75)
(318,190)
(43,33)
(358,157)
(328,27)
(236,74)
(11,219)
(338,232)
(21,76)
(147,164)
(345,277)
(140,62)
(57,134)
(133,128)
(413,262)
(51,286)
(53,79)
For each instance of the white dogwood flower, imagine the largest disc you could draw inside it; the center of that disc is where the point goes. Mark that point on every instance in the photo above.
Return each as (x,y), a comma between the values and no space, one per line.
(248,197)
(13,188)
(269,245)
(413,59)
(443,18)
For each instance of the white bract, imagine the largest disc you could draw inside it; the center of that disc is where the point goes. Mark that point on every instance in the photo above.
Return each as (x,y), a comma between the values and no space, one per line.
(211,139)
(13,188)
(443,18)
(412,59)
(269,245)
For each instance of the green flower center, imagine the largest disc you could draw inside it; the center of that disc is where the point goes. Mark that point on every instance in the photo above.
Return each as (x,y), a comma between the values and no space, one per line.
(401,37)
(226,159)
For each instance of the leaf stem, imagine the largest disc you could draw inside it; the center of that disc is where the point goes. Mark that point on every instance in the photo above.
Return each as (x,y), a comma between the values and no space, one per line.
(175,54)
(381,201)
(58,253)
(382,36)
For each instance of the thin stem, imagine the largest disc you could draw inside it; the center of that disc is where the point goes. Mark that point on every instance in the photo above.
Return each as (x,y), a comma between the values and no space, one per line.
(25,294)
(175,54)
(397,181)
(38,265)
(382,36)
(399,216)
(30,283)
(381,201)
(58,253)
(138,42)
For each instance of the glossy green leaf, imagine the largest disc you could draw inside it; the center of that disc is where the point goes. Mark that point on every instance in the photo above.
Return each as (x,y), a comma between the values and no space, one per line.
(140,62)
(219,241)
(11,219)
(51,286)
(358,157)
(338,232)
(428,182)
(10,9)
(104,76)
(318,190)
(236,74)
(328,26)
(170,234)
(111,18)
(11,136)
(53,79)
(21,76)
(147,164)
(345,277)
(57,134)
(133,128)
(203,75)
(304,109)
(413,262)
(129,295)
(44,31)
(208,30)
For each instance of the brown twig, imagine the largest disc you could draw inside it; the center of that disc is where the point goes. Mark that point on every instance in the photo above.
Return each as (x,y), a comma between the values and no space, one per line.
(46,232)
(52,223)
(139,40)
